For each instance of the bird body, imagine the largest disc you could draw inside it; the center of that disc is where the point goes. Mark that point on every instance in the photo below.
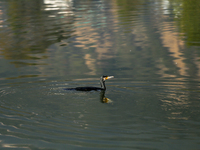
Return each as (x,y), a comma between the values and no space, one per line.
(85,89)
(102,82)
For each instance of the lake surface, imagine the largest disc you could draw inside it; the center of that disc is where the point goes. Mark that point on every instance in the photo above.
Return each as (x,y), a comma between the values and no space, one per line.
(152,47)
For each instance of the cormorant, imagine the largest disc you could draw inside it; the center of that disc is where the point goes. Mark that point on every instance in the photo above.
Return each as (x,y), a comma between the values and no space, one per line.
(102,82)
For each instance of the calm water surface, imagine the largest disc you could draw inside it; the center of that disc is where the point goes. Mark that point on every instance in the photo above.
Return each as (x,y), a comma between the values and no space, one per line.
(152,47)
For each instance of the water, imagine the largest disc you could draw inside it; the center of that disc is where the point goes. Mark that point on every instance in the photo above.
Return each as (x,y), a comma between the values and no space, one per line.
(150,46)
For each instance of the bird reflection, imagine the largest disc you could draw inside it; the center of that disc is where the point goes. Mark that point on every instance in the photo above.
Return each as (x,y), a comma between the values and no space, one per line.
(103,99)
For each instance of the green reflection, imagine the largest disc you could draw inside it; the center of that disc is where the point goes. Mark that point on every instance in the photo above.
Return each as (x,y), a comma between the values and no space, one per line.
(127,10)
(188,14)
(28,29)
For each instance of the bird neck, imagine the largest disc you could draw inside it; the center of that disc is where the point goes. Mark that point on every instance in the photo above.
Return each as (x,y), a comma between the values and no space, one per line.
(102,84)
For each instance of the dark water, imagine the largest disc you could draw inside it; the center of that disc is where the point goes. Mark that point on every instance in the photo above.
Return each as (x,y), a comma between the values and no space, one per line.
(152,47)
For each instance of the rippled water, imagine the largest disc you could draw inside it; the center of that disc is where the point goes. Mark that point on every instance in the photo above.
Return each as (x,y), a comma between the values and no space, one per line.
(138,115)
(150,46)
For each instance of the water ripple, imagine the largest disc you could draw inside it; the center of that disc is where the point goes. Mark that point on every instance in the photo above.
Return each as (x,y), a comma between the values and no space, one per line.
(79,119)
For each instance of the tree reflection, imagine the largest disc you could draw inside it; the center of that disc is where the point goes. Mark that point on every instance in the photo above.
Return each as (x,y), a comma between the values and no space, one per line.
(37,30)
(187,14)
(29,29)
(128,9)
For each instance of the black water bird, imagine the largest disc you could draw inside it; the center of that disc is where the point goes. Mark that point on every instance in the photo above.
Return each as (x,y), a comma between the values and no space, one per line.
(102,82)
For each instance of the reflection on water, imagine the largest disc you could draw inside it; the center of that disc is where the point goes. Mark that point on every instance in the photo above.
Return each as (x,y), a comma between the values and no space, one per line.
(177,102)
(27,30)
(104,99)
(87,39)
(188,22)
(152,47)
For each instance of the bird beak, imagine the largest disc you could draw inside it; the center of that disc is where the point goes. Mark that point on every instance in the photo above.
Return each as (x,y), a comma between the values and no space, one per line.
(109,77)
